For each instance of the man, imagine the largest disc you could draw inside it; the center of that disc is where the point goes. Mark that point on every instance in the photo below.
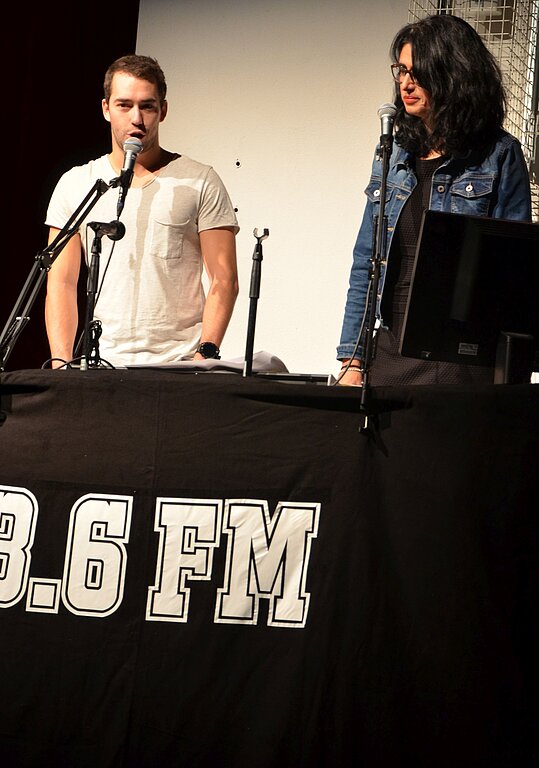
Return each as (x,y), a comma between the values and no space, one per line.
(150,305)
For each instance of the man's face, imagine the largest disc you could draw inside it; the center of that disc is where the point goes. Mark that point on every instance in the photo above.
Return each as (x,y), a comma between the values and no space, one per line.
(134,109)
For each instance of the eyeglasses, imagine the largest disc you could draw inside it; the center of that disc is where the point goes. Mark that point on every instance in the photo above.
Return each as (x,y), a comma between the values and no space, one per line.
(399,72)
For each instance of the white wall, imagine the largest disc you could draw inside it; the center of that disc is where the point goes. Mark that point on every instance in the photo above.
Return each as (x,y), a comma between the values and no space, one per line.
(281,98)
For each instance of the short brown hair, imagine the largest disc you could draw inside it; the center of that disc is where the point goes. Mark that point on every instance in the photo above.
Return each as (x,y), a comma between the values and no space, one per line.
(143,67)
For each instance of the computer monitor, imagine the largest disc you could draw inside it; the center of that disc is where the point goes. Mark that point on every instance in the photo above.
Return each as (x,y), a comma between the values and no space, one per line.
(474,278)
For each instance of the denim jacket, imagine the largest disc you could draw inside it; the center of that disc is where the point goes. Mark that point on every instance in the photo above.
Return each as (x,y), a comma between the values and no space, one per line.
(497,186)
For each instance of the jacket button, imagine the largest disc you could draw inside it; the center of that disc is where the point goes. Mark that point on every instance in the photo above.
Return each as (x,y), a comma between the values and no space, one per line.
(440,188)
(376,193)
(469,188)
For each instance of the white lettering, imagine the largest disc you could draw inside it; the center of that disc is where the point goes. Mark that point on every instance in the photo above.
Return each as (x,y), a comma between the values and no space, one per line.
(18,518)
(96,557)
(267,557)
(189,531)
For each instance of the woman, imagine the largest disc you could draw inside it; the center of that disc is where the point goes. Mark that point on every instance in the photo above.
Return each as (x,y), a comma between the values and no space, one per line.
(450,153)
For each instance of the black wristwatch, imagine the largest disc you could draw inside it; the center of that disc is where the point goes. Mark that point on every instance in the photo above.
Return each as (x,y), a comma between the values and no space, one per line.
(209,350)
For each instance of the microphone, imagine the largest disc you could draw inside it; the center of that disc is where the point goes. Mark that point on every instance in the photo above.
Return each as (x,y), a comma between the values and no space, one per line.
(115,230)
(132,147)
(387,113)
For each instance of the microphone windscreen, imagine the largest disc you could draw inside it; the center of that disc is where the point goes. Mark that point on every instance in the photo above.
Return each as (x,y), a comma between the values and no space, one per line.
(387,110)
(132,144)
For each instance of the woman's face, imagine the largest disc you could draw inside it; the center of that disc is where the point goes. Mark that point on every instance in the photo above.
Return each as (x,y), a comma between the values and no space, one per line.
(416,100)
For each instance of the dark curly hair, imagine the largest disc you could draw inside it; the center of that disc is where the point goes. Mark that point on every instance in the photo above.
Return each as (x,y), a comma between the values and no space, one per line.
(464,82)
(142,67)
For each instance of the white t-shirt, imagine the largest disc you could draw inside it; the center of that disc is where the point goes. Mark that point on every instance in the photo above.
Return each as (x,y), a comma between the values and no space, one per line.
(151,296)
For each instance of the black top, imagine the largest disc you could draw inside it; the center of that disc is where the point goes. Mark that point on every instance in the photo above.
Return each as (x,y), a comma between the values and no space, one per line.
(401,258)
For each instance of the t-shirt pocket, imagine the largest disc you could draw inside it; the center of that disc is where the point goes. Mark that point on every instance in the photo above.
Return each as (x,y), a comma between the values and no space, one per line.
(168,239)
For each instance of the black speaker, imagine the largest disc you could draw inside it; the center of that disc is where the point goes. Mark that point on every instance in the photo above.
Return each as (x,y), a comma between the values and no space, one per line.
(514,358)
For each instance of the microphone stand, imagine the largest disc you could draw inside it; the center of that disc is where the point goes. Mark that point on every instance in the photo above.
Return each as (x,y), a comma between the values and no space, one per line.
(254,293)
(20,314)
(379,248)
(92,328)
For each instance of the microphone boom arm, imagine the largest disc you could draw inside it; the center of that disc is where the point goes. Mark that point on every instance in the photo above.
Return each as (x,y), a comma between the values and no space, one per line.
(20,314)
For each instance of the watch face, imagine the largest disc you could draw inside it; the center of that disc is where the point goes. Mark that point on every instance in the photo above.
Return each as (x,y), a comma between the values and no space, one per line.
(209,350)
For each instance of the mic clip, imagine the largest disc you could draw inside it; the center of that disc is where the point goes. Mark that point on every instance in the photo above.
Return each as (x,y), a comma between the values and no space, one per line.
(123,180)
(386,141)
(114,230)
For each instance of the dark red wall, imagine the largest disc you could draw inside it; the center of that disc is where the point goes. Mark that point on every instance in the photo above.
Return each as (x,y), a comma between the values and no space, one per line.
(55,57)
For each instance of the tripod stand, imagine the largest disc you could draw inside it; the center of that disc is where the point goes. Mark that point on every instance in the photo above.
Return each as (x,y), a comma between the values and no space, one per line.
(115,230)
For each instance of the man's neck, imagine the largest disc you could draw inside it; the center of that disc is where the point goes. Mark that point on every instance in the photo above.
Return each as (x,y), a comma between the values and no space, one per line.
(150,162)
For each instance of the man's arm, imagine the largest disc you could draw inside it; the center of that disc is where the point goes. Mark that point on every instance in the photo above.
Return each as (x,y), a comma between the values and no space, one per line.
(218,248)
(61,312)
